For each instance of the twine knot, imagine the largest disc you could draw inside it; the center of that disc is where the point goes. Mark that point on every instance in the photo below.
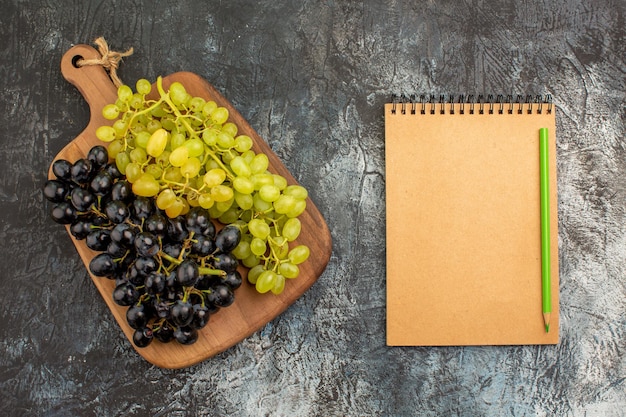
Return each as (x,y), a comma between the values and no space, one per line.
(110,60)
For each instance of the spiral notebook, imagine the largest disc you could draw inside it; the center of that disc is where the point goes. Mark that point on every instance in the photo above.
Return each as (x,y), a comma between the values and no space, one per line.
(463,221)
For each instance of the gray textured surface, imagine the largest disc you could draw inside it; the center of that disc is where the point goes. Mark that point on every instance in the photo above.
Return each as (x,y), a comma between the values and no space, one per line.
(312,77)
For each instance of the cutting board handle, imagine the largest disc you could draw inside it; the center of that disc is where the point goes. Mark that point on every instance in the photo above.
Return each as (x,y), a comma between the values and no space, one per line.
(92,81)
(98,90)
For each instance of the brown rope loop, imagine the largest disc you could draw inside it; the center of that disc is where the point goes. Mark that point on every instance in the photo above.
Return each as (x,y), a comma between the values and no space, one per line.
(109,60)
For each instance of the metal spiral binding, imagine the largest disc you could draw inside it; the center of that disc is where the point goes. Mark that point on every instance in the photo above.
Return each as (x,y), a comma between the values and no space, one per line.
(430,104)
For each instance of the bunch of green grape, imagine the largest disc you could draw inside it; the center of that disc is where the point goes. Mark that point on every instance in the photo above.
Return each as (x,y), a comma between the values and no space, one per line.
(184,152)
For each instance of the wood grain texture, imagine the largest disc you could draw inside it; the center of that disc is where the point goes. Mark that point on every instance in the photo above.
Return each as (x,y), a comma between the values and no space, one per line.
(251,310)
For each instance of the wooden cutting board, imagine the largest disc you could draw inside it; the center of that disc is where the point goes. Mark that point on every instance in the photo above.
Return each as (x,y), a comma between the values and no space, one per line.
(251,310)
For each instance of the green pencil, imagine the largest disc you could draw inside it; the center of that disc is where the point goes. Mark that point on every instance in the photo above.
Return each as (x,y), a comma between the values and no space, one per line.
(546,297)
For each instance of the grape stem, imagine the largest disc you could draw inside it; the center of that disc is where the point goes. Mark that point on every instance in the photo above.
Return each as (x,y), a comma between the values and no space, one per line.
(157,325)
(203,270)
(196,291)
(210,271)
(169,258)
(137,114)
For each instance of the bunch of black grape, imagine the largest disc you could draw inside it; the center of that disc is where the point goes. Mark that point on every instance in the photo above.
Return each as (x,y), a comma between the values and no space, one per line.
(171,273)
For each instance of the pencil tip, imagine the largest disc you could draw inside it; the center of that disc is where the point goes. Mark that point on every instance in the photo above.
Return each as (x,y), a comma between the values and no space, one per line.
(546,321)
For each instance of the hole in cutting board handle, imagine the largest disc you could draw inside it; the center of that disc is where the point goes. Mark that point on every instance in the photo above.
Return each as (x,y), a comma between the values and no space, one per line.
(75,60)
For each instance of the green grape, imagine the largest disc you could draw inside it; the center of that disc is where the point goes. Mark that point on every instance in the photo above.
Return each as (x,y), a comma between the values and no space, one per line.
(197,121)
(136,101)
(227,216)
(224,206)
(248,156)
(138,155)
(143,118)
(260,180)
(166,198)
(146,186)
(269,193)
(196,104)
(225,141)
(258,246)
(143,86)
(244,201)
(284,204)
(205,200)
(214,177)
(186,207)
(168,123)
(176,208)
(208,108)
(230,129)
(110,112)
(172,174)
(209,136)
(259,163)
(133,172)
(260,204)
(190,168)
(289,270)
(153,125)
(177,139)
(299,254)
(195,147)
(240,167)
(120,127)
(214,212)
(193,199)
(243,143)
(219,115)
(280,181)
(198,182)
(291,229)
(106,133)
(243,185)
(240,224)
(296,191)
(298,209)
(279,284)
(259,228)
(184,105)
(124,93)
(163,159)
(137,126)
(157,142)
(242,250)
(221,193)
(212,164)
(153,169)
(141,139)
(266,281)
(227,155)
(251,261)
(121,160)
(280,246)
(245,215)
(158,112)
(179,156)
(254,272)
(115,147)
(177,93)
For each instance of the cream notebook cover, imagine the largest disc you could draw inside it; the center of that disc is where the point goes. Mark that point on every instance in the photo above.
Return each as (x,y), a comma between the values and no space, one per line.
(463,223)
